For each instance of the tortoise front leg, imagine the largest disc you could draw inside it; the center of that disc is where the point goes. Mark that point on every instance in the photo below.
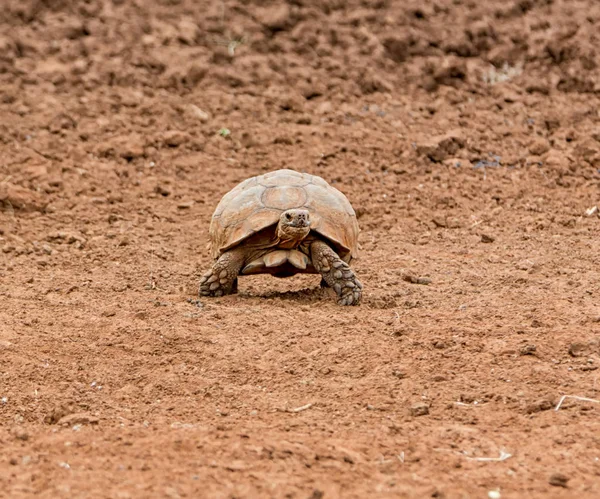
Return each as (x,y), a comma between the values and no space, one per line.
(221,279)
(336,273)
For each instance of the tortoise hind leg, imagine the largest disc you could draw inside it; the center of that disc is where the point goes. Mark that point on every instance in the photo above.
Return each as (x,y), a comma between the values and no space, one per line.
(221,279)
(336,273)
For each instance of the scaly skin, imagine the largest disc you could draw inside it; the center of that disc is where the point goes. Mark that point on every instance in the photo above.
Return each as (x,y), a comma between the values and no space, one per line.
(221,279)
(336,273)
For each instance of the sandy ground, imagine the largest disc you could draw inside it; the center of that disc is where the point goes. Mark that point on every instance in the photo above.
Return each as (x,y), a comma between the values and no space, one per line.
(466,136)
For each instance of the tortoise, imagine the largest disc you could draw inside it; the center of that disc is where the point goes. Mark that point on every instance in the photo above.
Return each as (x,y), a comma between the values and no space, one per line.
(284,223)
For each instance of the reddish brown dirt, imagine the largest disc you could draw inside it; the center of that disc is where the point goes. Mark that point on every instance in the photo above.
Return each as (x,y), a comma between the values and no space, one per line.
(114,383)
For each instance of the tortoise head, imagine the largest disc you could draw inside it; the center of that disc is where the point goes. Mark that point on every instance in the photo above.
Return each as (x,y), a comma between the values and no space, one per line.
(293,225)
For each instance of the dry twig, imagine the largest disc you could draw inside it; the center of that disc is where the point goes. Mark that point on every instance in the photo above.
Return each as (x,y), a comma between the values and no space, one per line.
(585,399)
(502,457)
(297,409)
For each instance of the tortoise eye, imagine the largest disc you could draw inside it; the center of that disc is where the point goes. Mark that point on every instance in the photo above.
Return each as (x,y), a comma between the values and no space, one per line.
(288,216)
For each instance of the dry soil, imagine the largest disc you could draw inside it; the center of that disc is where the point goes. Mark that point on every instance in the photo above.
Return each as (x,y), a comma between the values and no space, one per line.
(466,135)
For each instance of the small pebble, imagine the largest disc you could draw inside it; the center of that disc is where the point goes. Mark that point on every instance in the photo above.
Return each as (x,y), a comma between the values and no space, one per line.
(528,350)
(558,480)
(539,146)
(419,409)
(578,349)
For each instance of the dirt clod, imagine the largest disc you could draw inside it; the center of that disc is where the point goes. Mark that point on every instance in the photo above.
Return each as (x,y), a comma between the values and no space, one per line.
(540,405)
(539,146)
(579,349)
(175,138)
(440,147)
(419,409)
(558,480)
(528,350)
(77,418)
(466,137)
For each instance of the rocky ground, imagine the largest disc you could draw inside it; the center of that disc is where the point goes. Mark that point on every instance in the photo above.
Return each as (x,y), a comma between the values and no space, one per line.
(467,137)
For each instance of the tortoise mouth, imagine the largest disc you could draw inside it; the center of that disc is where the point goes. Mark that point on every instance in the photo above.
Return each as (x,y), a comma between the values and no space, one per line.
(300,223)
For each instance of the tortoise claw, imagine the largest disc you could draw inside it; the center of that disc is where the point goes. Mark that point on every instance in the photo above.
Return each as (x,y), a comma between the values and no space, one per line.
(336,273)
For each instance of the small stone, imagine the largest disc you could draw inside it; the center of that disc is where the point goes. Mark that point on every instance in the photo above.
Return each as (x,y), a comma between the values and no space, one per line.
(453,223)
(528,350)
(439,221)
(487,238)
(525,265)
(558,480)
(194,111)
(175,138)
(419,409)
(440,147)
(578,349)
(539,146)
(162,190)
(78,418)
(185,205)
(408,276)
(539,406)
(129,149)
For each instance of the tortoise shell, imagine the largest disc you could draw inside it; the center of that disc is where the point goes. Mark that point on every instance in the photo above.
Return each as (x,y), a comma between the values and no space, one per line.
(257,203)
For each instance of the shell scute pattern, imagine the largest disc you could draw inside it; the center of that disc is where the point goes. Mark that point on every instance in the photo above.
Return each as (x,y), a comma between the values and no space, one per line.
(257,203)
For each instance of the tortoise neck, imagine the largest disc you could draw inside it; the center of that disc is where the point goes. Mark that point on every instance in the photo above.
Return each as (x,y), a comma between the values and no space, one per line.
(291,237)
